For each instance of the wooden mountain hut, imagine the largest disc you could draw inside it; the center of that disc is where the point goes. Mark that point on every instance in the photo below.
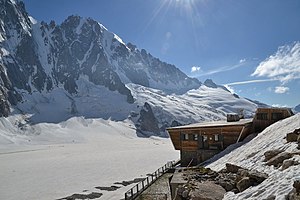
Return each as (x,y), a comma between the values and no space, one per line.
(201,141)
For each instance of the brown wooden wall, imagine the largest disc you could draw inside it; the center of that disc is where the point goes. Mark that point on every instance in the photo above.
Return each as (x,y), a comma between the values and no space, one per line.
(230,133)
(260,124)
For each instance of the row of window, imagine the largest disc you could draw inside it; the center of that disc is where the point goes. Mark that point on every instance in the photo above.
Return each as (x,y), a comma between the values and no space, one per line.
(264,116)
(204,138)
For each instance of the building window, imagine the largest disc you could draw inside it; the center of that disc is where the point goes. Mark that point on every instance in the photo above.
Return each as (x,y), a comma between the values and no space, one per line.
(185,136)
(204,138)
(216,138)
(195,137)
(262,116)
(277,116)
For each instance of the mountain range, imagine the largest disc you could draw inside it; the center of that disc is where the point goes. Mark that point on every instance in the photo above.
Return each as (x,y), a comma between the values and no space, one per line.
(51,72)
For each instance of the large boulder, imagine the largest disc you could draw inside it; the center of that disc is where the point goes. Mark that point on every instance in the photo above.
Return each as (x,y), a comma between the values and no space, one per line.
(207,191)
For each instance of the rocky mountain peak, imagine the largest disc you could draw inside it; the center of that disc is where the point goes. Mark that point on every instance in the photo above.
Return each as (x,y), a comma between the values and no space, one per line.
(210,83)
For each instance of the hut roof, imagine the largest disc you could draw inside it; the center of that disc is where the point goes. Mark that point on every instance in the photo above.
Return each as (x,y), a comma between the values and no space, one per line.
(212,124)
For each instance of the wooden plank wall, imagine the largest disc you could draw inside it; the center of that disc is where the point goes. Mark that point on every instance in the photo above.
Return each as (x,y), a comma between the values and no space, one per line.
(231,134)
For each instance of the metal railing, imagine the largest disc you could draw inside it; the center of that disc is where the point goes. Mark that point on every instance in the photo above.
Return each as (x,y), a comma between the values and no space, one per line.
(136,190)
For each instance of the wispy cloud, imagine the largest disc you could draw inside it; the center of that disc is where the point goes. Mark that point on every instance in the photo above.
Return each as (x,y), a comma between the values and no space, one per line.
(250,81)
(225,68)
(281,89)
(166,44)
(284,65)
(195,69)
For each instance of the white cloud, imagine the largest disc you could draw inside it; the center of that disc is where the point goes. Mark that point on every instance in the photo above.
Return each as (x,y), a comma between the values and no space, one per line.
(243,60)
(284,65)
(281,89)
(195,69)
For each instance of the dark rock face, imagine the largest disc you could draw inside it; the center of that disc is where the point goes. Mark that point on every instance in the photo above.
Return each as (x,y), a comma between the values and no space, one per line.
(147,120)
(211,84)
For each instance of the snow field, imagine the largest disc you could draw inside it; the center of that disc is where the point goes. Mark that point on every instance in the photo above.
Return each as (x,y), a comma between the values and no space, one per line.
(91,153)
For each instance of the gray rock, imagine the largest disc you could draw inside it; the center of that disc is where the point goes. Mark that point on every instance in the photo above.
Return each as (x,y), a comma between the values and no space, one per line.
(278,159)
(292,137)
(244,183)
(270,154)
(185,194)
(293,195)
(207,191)
(232,168)
(287,163)
(296,185)
(258,177)
(228,185)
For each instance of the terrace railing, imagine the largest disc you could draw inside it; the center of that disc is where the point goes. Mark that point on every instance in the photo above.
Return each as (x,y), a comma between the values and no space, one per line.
(136,190)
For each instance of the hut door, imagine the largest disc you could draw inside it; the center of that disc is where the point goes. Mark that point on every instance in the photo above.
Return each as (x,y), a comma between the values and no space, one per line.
(200,142)
(205,142)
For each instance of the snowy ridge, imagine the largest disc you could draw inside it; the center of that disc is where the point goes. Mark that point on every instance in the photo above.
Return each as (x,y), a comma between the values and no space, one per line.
(251,156)
(202,104)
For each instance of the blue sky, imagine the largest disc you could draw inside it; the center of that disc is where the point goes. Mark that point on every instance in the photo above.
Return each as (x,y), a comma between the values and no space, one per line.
(251,46)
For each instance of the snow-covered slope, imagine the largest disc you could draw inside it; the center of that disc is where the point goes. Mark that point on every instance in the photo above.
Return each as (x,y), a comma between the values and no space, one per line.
(297,108)
(51,161)
(251,156)
(202,104)
(163,110)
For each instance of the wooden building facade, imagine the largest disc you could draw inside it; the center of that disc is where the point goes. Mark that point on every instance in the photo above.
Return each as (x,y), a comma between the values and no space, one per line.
(264,117)
(201,141)
(198,142)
